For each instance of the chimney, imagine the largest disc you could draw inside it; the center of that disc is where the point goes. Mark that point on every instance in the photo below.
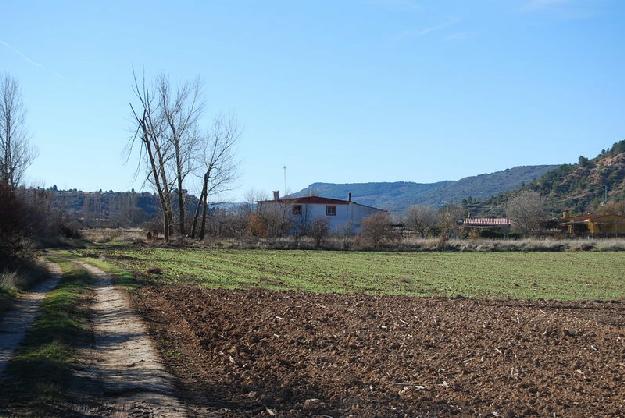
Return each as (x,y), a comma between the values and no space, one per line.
(349,196)
(276,195)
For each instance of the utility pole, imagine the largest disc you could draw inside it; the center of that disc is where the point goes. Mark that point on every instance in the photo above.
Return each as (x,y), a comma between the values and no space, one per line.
(284,168)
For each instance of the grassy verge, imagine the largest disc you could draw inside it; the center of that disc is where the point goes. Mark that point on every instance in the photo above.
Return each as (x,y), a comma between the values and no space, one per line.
(22,275)
(38,377)
(549,275)
(7,297)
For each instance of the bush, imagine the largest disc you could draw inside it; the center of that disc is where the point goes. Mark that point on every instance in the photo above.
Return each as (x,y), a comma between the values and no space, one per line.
(13,229)
(378,228)
(319,230)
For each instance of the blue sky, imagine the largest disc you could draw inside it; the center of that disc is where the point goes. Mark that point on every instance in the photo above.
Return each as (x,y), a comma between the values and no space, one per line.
(339,91)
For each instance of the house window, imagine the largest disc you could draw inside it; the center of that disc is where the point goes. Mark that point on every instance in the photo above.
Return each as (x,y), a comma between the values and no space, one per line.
(297,210)
(330,210)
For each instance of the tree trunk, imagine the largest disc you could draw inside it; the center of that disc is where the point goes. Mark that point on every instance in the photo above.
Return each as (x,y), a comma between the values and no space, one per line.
(199,205)
(204,211)
(181,209)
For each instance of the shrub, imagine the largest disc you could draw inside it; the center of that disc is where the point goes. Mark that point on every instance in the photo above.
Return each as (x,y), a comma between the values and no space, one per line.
(13,229)
(319,230)
(378,228)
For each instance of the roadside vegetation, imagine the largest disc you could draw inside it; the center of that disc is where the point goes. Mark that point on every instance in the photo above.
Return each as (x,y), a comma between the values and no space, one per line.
(40,378)
(17,279)
(555,276)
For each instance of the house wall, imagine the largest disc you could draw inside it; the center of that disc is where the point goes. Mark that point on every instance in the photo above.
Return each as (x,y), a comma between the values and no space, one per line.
(348,216)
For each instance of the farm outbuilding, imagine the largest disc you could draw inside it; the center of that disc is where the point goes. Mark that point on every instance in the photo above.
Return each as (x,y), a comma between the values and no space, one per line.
(594,225)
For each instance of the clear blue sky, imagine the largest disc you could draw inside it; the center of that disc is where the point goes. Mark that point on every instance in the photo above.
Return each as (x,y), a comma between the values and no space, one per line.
(339,91)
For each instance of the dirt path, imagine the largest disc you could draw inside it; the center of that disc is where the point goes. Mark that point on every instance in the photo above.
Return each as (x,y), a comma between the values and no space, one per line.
(125,361)
(16,322)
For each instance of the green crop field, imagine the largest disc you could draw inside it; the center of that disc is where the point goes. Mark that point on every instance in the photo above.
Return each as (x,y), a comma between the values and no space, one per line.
(560,276)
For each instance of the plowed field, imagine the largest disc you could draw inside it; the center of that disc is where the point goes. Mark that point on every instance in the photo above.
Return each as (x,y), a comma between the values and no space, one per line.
(262,353)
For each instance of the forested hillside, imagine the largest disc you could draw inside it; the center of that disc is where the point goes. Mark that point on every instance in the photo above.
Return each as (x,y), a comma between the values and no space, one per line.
(582,187)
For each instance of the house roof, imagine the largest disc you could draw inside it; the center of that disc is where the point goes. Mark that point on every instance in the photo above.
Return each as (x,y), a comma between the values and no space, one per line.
(584,219)
(315,200)
(487,221)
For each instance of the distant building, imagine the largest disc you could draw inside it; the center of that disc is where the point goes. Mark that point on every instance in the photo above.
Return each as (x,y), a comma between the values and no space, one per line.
(594,225)
(341,215)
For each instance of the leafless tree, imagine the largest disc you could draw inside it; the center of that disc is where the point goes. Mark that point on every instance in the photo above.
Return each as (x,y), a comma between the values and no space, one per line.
(276,217)
(16,154)
(319,230)
(155,150)
(219,167)
(449,218)
(422,219)
(252,197)
(377,228)
(526,210)
(180,110)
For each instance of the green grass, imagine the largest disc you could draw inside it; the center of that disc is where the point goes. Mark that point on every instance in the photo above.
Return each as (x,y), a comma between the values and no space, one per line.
(559,276)
(41,372)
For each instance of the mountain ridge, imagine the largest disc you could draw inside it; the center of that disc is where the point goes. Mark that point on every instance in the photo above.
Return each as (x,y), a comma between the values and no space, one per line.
(398,196)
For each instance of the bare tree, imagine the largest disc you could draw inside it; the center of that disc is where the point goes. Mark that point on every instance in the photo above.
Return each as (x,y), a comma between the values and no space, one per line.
(449,218)
(276,217)
(16,154)
(219,167)
(252,197)
(180,111)
(377,228)
(526,210)
(422,219)
(319,230)
(155,150)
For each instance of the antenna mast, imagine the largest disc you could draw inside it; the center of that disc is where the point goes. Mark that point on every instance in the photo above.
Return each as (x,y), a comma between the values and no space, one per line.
(284,168)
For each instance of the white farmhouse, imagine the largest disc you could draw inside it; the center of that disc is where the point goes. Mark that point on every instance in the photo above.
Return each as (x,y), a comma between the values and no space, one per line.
(342,215)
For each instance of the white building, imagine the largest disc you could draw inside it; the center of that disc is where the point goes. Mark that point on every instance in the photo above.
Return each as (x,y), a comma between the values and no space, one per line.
(342,215)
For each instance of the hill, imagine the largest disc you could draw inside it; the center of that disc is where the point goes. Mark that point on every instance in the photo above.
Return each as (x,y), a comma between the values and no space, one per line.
(398,196)
(582,187)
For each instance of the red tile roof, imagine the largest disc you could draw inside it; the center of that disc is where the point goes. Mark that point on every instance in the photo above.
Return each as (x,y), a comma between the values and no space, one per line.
(487,221)
(316,200)
(311,199)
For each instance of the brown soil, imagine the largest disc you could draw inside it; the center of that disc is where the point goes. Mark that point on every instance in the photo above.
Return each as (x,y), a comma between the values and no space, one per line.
(262,353)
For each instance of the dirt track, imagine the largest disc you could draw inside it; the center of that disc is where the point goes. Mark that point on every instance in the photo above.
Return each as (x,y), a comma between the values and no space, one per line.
(258,353)
(124,361)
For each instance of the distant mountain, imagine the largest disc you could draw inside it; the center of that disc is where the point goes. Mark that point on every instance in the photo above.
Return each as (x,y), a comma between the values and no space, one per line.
(398,196)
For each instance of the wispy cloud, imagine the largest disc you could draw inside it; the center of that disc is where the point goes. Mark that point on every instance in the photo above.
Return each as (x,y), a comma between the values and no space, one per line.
(459,36)
(20,54)
(424,31)
(565,9)
(26,58)
(535,5)
(398,4)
